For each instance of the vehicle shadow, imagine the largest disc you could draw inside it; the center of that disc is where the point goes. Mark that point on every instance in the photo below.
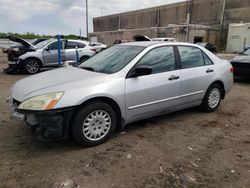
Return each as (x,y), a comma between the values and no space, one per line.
(157,120)
(70,145)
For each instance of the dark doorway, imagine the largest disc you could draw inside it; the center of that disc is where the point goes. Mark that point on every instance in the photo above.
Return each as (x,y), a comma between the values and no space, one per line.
(198,39)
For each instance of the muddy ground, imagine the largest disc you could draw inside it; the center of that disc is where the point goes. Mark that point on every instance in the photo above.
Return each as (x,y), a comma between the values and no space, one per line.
(182,149)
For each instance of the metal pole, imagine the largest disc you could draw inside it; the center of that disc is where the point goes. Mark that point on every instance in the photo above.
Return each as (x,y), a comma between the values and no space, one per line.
(59,49)
(87,20)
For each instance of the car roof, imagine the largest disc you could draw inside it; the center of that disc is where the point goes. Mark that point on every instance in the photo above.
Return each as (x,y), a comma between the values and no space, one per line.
(150,43)
(81,41)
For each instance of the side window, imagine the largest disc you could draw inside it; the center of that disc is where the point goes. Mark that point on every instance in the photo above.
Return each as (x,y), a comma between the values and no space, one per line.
(72,45)
(81,45)
(207,60)
(160,59)
(53,46)
(190,57)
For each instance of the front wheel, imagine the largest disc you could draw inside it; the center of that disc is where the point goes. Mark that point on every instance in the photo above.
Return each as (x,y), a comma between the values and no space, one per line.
(94,124)
(31,66)
(83,59)
(212,98)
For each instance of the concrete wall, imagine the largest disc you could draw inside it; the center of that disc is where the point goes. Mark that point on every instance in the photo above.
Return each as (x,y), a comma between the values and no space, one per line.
(206,12)
(146,18)
(203,12)
(178,32)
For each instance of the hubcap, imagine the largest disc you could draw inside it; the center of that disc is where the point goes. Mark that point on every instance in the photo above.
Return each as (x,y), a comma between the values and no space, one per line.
(214,98)
(32,66)
(96,125)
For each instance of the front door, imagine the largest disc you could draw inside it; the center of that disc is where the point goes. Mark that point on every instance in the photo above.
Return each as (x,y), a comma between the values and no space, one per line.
(158,92)
(50,54)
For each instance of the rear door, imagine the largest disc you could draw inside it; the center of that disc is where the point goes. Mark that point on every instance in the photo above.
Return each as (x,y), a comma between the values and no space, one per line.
(158,92)
(197,74)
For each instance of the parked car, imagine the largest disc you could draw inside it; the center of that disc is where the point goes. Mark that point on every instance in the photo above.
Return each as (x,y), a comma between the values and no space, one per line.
(122,41)
(98,46)
(141,38)
(241,64)
(210,46)
(24,46)
(45,54)
(123,84)
(246,47)
(145,38)
(164,39)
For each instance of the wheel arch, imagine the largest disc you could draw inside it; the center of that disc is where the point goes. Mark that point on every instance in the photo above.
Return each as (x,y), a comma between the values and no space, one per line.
(36,58)
(106,100)
(219,82)
(84,56)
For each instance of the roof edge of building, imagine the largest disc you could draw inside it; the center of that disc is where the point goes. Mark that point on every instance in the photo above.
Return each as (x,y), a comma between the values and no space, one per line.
(144,9)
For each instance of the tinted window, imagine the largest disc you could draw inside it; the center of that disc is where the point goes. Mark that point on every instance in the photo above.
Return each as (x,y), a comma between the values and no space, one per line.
(207,60)
(190,57)
(53,46)
(73,45)
(160,59)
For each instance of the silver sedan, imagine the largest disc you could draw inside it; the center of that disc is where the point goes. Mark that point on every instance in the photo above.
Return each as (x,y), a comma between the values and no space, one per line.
(123,84)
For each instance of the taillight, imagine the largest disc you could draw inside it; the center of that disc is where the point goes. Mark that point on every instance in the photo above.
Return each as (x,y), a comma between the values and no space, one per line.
(93,49)
(232,70)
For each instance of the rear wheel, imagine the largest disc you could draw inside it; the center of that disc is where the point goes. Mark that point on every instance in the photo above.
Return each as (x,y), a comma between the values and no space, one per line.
(31,66)
(84,58)
(94,124)
(212,98)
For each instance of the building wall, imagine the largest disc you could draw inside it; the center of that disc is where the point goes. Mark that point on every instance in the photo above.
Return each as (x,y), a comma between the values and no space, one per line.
(206,12)
(203,12)
(178,32)
(146,18)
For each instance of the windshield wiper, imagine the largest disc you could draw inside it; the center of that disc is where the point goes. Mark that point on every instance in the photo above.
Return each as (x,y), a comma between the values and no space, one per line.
(89,69)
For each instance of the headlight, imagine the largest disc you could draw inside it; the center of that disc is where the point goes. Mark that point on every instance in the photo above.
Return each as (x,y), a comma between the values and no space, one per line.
(42,102)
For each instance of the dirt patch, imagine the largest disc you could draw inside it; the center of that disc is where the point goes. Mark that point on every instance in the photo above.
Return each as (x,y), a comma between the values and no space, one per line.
(182,149)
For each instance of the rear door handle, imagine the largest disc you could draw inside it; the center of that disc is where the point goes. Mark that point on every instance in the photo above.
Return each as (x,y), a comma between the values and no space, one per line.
(209,70)
(173,77)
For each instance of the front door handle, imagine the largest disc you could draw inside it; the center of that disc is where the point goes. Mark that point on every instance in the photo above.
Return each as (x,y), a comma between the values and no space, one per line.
(173,77)
(209,70)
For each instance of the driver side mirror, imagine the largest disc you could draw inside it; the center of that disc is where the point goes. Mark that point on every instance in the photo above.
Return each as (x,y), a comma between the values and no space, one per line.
(141,71)
(46,48)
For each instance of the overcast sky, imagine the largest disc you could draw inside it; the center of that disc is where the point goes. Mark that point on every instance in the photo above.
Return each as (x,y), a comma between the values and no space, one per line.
(62,16)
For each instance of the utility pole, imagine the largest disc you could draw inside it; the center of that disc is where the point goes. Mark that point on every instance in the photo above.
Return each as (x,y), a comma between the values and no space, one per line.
(87,21)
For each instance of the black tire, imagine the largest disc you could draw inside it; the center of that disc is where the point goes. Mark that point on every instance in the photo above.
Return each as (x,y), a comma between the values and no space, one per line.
(84,58)
(81,136)
(32,66)
(208,106)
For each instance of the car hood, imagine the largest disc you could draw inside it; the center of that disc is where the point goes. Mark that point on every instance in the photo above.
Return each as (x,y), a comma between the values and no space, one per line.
(60,79)
(22,41)
(243,59)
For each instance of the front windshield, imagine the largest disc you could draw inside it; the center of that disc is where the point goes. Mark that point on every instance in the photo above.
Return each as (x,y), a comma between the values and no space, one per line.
(44,43)
(113,59)
(247,52)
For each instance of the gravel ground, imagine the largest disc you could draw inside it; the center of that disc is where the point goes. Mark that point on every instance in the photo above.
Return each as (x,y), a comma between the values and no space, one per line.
(182,149)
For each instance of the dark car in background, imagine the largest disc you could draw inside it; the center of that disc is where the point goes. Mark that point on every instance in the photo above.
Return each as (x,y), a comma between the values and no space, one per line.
(241,64)
(209,46)
(21,48)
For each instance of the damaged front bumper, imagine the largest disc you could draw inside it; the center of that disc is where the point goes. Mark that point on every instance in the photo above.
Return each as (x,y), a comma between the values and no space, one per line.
(13,67)
(47,125)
